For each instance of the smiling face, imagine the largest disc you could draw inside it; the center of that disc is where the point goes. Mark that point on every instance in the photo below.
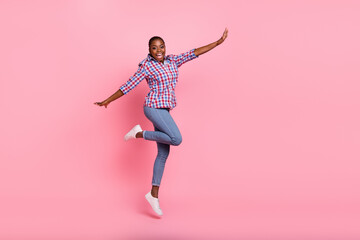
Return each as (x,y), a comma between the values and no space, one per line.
(157,49)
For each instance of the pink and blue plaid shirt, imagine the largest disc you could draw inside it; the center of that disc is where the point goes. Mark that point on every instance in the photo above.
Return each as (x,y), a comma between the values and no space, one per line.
(161,78)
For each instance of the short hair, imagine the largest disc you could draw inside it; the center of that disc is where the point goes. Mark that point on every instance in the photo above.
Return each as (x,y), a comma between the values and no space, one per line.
(155,38)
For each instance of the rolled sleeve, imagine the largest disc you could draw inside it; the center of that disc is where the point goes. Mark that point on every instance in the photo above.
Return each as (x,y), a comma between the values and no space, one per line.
(134,80)
(184,57)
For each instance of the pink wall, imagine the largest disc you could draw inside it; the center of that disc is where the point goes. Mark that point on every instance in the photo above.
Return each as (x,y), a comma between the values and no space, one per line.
(270,121)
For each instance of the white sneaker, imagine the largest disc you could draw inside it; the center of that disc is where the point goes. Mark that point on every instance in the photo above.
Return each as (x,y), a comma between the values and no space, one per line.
(132,133)
(154,202)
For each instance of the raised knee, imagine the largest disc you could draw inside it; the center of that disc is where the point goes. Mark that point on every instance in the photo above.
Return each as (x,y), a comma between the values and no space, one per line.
(176,141)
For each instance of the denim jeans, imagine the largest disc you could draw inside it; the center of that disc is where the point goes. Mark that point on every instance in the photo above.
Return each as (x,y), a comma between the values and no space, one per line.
(166,133)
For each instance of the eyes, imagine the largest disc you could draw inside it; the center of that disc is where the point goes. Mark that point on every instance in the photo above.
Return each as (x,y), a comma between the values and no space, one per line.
(161,46)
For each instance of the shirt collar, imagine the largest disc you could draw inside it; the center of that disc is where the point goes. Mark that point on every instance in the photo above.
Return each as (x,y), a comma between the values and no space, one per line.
(151,58)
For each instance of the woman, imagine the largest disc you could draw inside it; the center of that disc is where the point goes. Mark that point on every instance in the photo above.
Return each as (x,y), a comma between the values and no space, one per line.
(161,74)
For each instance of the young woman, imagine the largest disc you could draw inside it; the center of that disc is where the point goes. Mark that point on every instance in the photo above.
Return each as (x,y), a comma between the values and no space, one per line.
(161,74)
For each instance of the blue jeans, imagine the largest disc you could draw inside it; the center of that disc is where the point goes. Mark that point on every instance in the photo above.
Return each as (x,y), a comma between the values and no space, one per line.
(166,133)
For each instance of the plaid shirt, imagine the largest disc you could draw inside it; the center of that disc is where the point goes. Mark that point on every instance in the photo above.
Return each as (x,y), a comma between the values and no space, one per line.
(161,78)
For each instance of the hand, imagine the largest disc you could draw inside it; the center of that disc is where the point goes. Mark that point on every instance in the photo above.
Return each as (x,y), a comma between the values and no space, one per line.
(224,36)
(103,103)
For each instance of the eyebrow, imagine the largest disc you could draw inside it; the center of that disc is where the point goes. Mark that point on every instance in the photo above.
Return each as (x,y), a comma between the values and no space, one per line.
(157,45)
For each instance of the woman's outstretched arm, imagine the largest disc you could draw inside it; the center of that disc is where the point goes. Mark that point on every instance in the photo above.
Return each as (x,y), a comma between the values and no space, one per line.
(204,49)
(113,97)
(126,87)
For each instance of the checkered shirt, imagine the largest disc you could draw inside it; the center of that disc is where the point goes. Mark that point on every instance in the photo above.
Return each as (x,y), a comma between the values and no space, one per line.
(161,78)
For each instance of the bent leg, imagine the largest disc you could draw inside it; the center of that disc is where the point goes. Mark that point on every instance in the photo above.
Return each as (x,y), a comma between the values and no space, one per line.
(166,130)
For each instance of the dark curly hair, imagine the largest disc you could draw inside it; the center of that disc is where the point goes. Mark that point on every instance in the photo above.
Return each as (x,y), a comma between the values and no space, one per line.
(155,38)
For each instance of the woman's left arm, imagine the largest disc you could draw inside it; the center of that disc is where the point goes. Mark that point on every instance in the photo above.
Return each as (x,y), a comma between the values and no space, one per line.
(204,49)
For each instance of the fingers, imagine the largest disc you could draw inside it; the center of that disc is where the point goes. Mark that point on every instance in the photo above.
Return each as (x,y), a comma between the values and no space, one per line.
(101,104)
(225,34)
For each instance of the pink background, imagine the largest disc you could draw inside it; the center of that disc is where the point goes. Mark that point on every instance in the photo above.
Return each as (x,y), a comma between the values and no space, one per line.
(270,121)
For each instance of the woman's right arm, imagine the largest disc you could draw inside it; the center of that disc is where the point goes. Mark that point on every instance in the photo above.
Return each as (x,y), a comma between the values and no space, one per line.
(113,97)
(126,87)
